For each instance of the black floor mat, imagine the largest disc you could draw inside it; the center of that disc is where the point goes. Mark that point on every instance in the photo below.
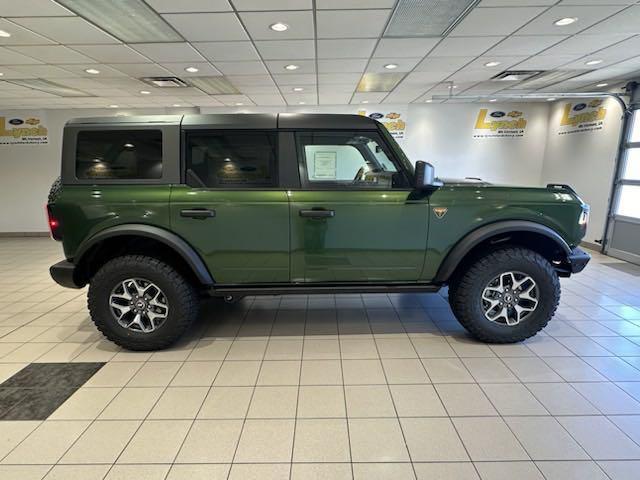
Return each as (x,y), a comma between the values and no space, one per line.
(37,390)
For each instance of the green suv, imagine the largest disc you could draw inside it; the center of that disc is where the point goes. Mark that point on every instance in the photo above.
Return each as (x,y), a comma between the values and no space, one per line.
(156,211)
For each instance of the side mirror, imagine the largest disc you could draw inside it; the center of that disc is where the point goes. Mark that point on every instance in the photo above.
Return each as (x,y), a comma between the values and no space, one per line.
(425,176)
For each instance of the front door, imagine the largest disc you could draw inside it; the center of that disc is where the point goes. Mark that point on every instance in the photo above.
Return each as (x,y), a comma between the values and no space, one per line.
(356,218)
(232,210)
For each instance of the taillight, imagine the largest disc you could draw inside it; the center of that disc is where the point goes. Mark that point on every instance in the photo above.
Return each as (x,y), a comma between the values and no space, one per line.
(54,224)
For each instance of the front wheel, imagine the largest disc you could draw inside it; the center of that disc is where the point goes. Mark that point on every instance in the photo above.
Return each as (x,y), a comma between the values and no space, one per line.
(506,296)
(141,303)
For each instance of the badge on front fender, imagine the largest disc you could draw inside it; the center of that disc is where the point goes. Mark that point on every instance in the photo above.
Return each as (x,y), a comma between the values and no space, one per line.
(440,211)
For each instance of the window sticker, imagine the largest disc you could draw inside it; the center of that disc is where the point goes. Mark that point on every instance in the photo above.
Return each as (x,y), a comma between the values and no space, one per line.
(325,166)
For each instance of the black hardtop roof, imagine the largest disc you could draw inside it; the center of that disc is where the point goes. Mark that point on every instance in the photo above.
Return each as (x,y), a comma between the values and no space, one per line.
(238,121)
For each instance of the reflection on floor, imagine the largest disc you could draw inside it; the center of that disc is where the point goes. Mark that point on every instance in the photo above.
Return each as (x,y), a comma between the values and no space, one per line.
(335,387)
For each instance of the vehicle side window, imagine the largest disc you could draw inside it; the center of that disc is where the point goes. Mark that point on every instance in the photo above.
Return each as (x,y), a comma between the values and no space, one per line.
(347,159)
(119,154)
(233,159)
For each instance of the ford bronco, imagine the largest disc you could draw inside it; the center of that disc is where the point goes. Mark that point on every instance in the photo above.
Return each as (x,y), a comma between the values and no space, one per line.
(156,211)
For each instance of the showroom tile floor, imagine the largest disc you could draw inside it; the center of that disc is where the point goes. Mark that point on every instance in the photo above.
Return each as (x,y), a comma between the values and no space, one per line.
(332,387)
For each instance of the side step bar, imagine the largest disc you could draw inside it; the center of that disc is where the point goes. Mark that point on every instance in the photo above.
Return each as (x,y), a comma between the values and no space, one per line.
(319,288)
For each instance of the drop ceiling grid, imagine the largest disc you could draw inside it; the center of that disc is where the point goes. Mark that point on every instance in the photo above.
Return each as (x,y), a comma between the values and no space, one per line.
(53,43)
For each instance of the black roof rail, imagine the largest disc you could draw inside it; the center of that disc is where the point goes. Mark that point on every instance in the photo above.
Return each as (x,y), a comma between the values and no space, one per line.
(562,186)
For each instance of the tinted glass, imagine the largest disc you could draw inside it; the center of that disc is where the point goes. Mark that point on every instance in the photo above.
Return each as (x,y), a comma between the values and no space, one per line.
(348,160)
(232,159)
(119,154)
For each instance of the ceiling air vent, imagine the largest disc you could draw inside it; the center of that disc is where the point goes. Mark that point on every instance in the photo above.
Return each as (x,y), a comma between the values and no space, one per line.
(516,75)
(165,82)
(427,18)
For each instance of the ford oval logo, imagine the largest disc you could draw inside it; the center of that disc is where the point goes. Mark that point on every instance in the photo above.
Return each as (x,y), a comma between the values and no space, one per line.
(497,114)
(580,106)
(16,121)
(376,116)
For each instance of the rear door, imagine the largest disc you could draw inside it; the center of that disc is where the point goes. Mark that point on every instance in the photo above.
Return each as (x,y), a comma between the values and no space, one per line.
(231,208)
(356,218)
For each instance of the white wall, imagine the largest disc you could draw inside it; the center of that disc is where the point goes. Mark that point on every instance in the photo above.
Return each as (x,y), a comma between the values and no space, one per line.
(439,133)
(584,160)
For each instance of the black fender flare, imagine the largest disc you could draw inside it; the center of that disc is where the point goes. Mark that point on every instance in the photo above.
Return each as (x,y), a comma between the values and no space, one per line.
(173,241)
(475,237)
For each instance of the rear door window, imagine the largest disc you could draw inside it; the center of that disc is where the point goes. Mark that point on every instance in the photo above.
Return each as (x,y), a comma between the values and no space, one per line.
(119,155)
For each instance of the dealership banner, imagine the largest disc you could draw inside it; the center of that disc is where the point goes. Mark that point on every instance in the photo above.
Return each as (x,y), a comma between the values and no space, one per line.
(23,129)
(499,124)
(583,116)
(395,120)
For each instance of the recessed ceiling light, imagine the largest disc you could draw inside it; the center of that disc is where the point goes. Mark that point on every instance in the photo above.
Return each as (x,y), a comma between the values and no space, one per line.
(1,74)
(191,69)
(145,92)
(279,27)
(92,71)
(239,104)
(291,67)
(562,22)
(298,89)
(593,62)
(602,84)
(492,64)
(493,100)
(301,103)
(550,99)
(452,86)
(4,34)
(391,66)
(177,105)
(364,101)
(113,106)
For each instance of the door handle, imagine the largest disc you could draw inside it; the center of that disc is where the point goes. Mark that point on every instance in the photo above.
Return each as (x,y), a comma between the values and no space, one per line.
(200,213)
(317,213)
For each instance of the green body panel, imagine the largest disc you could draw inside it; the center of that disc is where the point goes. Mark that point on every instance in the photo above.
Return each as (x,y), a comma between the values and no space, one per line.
(470,206)
(375,236)
(84,210)
(248,239)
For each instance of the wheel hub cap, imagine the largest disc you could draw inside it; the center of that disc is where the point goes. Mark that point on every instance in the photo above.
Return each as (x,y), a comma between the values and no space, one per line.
(138,304)
(509,298)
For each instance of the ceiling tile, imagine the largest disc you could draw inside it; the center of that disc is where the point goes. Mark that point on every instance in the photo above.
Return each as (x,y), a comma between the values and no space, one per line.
(525,44)
(169,52)
(300,98)
(232,100)
(112,53)
(258,89)
(404,64)
(295,79)
(334,98)
(9,73)
(241,68)
(204,69)
(141,69)
(346,4)
(227,51)
(405,47)
(346,48)
(339,78)
(425,77)
(260,99)
(44,71)
(342,65)
(463,46)
(286,49)
(505,62)
(257,24)
(495,21)
(79,69)
(244,80)
(186,6)
(304,66)
(255,5)
(473,75)
(32,8)
(203,27)
(340,23)
(368,97)
(348,88)
(586,15)
(584,44)
(523,3)
(67,30)
(546,62)
(402,96)
(52,54)
(442,64)
(627,21)
(20,35)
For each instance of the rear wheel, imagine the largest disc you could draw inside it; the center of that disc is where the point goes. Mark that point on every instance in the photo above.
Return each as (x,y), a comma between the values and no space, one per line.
(506,296)
(141,303)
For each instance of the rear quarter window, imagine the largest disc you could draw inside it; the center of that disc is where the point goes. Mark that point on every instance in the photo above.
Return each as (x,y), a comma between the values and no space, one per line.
(119,154)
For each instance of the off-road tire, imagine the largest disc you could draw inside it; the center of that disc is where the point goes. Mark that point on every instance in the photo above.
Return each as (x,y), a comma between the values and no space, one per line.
(181,296)
(465,294)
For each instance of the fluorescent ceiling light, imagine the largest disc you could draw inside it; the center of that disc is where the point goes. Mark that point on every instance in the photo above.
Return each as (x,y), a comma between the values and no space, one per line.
(391,66)
(291,67)
(562,22)
(298,89)
(427,18)
(550,99)
(593,62)
(492,64)
(214,85)
(145,92)
(51,87)
(602,85)
(131,21)
(279,27)
(379,82)
(191,69)
(92,71)
(4,34)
